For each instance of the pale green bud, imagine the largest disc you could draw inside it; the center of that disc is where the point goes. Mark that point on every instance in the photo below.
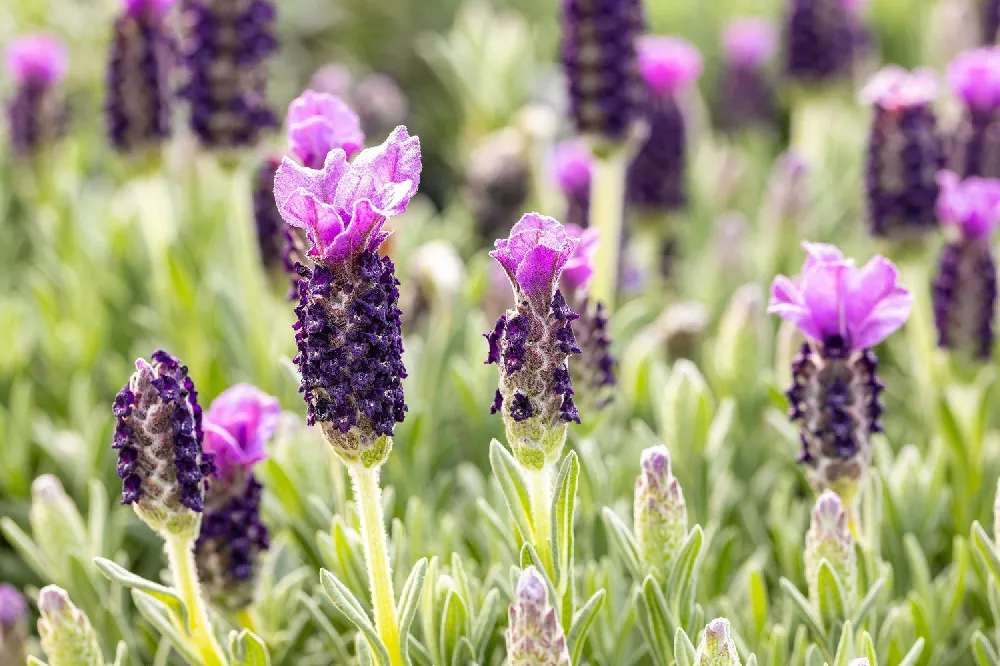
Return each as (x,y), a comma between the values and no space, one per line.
(56,523)
(717,647)
(534,636)
(829,538)
(66,634)
(659,512)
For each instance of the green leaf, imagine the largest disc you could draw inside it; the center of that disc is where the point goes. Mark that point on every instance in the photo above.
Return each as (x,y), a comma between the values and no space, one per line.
(121,654)
(913,655)
(97,516)
(758,601)
(348,604)
(409,599)
(684,650)
(683,576)
(576,637)
(983,651)
(623,543)
(26,548)
(247,649)
(803,608)
(482,628)
(507,474)
(163,620)
(418,653)
(845,647)
(35,661)
(868,649)
(453,621)
(319,618)
(563,503)
(986,549)
(165,595)
(919,569)
(832,606)
(866,604)
(656,622)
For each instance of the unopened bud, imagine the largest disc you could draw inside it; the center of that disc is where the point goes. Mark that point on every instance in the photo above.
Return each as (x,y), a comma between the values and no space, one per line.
(534,636)
(55,521)
(717,647)
(65,632)
(829,538)
(660,514)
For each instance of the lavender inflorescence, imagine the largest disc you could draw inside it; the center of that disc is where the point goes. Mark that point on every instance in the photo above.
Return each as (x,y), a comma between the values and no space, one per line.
(159,440)
(974,77)
(270,227)
(37,113)
(227,43)
(139,101)
(990,21)
(965,297)
(820,39)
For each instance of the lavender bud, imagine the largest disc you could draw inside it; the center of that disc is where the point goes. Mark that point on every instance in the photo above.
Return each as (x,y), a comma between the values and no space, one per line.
(974,77)
(905,153)
(717,647)
(598,55)
(227,43)
(139,100)
(497,181)
(656,180)
(65,632)
(533,342)
(534,636)
(37,113)
(56,522)
(270,227)
(159,443)
(13,626)
(819,40)
(829,538)
(659,512)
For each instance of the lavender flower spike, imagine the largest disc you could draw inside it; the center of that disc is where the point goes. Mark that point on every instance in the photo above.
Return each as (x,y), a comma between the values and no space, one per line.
(534,636)
(974,77)
(745,95)
(159,441)
(318,123)
(717,647)
(843,311)
(13,626)
(656,177)
(140,88)
(348,328)
(572,168)
(829,539)
(65,632)
(659,512)
(35,63)
(819,38)
(990,21)
(965,288)
(598,55)
(905,152)
(533,341)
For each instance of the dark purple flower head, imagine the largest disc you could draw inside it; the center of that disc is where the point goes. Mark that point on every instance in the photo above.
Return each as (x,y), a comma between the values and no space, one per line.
(159,441)
(319,123)
(38,58)
(226,46)
(238,424)
(835,394)
(598,55)
(534,257)
(974,77)
(819,40)
(229,547)
(139,84)
(532,342)
(668,64)
(270,226)
(749,42)
(835,302)
(344,206)
(905,152)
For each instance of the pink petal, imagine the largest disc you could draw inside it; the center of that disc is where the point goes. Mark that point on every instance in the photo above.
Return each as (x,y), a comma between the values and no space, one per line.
(866,287)
(890,313)
(536,272)
(787,302)
(823,293)
(360,233)
(820,252)
(387,175)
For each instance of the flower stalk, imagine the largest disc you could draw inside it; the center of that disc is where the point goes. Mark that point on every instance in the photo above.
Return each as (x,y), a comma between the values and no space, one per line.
(180,557)
(607,192)
(540,500)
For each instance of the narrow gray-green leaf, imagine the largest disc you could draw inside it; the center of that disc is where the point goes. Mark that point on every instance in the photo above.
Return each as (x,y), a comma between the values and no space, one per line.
(247,649)
(583,619)
(506,472)
(623,543)
(159,615)
(166,595)
(348,604)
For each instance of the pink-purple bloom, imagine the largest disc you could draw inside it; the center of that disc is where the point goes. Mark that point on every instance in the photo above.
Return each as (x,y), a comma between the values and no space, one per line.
(534,256)
(974,76)
(893,88)
(972,206)
(572,164)
(156,7)
(749,42)
(319,123)
(344,206)
(238,425)
(580,266)
(39,57)
(668,64)
(834,300)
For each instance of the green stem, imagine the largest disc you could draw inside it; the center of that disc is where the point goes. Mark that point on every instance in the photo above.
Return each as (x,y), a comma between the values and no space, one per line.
(607,197)
(368,495)
(180,555)
(540,497)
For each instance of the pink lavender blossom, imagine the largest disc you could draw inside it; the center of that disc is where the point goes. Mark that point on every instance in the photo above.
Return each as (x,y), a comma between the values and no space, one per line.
(538,250)
(320,122)
(974,77)
(155,7)
(580,266)
(40,57)
(237,426)
(668,64)
(344,206)
(972,206)
(749,42)
(572,165)
(836,300)
(893,88)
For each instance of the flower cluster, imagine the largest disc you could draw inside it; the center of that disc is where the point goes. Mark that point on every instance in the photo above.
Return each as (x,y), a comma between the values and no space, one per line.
(37,115)
(656,177)
(820,42)
(974,77)
(159,441)
(843,311)
(139,101)
(965,288)
(599,58)
(348,328)
(271,237)
(533,341)
(905,152)
(227,43)
(745,96)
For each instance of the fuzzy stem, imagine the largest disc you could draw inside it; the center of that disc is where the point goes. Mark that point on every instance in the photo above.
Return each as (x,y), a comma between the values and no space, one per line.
(180,555)
(368,495)
(607,205)
(540,497)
